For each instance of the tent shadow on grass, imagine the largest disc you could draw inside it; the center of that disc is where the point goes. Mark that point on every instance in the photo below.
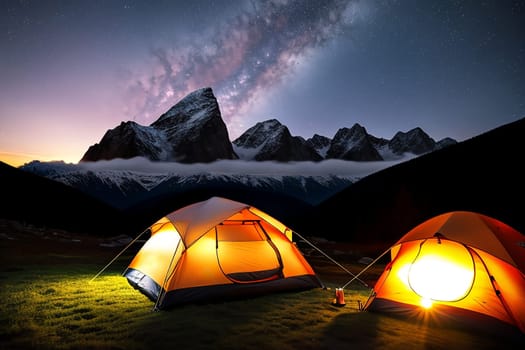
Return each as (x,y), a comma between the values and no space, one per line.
(50,304)
(368,330)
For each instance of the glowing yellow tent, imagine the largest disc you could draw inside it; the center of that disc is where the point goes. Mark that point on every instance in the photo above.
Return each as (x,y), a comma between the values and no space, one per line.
(218,249)
(460,266)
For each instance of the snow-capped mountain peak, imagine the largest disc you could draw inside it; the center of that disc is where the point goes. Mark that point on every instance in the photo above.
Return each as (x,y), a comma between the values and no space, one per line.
(260,134)
(192,131)
(416,141)
(320,143)
(270,140)
(194,106)
(353,144)
(189,132)
(128,140)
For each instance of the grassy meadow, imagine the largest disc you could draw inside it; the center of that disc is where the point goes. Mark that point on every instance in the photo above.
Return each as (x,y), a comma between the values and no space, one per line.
(50,302)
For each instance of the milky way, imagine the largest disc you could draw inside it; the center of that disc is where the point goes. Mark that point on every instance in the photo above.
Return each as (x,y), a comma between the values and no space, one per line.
(71,70)
(243,58)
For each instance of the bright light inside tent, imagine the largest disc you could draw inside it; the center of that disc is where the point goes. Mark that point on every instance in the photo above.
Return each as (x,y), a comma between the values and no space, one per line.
(157,253)
(440,277)
(426,303)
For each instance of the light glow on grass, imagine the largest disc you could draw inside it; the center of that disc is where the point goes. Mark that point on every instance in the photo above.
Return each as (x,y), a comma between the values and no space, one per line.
(59,308)
(63,311)
(49,303)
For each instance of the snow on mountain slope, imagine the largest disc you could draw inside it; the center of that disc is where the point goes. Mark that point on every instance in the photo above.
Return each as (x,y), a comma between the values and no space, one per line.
(353,144)
(123,183)
(189,132)
(192,131)
(270,140)
(320,143)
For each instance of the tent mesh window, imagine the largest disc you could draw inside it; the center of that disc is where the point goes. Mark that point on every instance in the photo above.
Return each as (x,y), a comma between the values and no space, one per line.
(256,258)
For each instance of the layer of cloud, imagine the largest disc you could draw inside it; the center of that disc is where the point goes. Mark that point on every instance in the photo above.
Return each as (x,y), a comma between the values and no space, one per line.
(241,59)
(332,167)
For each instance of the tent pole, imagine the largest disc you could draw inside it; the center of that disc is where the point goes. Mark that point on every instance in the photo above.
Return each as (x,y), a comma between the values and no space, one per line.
(166,277)
(496,288)
(119,254)
(367,267)
(331,259)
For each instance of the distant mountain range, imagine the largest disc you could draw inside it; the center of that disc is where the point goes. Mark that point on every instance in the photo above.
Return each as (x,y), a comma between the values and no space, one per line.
(125,188)
(192,131)
(482,174)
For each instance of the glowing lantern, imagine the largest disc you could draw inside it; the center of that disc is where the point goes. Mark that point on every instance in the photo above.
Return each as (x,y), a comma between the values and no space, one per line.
(442,271)
(426,303)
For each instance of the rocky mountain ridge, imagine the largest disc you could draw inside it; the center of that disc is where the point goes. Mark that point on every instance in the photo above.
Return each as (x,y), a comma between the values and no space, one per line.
(193,131)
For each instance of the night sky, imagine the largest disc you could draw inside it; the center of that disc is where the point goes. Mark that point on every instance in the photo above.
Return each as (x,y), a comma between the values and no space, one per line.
(70,70)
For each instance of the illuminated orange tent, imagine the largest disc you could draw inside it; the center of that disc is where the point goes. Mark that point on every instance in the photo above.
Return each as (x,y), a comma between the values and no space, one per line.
(460,266)
(218,249)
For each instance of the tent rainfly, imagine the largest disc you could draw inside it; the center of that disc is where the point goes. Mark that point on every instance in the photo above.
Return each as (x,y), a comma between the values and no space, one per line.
(215,250)
(460,266)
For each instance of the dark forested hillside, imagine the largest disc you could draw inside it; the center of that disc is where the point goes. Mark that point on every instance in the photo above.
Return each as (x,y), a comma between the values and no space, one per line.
(36,200)
(484,174)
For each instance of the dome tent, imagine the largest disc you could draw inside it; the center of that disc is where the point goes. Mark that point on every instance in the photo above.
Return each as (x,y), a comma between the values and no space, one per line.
(215,250)
(460,266)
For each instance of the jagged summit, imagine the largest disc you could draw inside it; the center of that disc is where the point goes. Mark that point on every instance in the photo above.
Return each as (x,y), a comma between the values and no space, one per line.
(447,141)
(320,143)
(129,140)
(353,144)
(196,105)
(258,134)
(262,141)
(270,140)
(191,131)
(416,141)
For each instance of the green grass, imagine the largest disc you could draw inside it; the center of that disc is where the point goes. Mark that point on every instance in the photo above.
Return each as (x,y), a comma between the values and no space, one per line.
(48,302)
(54,307)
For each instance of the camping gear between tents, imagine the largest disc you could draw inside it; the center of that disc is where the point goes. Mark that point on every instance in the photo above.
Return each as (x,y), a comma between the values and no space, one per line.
(460,266)
(215,250)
